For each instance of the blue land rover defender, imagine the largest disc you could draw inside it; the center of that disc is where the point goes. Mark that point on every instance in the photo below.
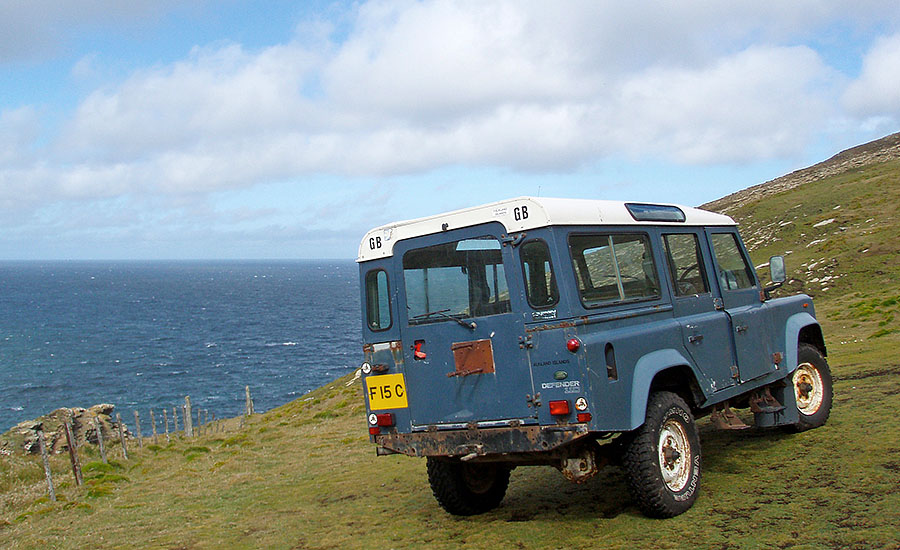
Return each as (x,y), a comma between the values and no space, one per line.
(575,333)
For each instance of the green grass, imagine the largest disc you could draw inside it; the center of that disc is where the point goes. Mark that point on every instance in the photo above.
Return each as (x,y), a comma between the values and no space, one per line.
(304,475)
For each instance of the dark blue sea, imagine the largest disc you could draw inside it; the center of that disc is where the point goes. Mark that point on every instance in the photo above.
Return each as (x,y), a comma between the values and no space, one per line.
(143,335)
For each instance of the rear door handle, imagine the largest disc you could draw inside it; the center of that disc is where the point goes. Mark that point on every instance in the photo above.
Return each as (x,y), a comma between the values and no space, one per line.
(695,339)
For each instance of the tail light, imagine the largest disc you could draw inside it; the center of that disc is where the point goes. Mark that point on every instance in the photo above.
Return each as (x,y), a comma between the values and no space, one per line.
(559,408)
(378,421)
(584,417)
(418,353)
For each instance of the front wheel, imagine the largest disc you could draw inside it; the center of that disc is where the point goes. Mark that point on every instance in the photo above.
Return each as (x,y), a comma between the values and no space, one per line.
(812,388)
(466,489)
(662,460)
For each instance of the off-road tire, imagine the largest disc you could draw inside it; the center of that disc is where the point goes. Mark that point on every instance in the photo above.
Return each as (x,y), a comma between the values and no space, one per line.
(662,484)
(465,489)
(813,404)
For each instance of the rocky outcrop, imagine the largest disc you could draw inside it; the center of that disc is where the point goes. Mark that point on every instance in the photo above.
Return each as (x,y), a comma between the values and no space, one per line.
(874,152)
(23,436)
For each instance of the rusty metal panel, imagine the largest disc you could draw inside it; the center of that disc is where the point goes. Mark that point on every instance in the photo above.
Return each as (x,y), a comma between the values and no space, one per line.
(474,357)
(482,442)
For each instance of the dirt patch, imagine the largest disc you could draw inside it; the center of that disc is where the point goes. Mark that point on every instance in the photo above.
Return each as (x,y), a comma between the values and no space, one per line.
(521,516)
(894,369)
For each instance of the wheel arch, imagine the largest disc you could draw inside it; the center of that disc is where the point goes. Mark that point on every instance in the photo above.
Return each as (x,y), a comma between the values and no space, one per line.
(662,369)
(802,328)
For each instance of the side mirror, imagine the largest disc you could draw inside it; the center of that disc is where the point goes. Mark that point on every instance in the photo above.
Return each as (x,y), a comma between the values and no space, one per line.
(777,270)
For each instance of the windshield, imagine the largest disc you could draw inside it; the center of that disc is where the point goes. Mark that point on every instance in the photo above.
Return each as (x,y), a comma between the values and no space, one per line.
(458,279)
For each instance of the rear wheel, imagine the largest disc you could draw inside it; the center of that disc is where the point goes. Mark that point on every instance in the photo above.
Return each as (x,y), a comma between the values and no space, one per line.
(465,489)
(812,388)
(662,460)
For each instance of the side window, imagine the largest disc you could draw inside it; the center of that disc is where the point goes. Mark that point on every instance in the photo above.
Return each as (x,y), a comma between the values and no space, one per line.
(540,282)
(733,270)
(614,268)
(686,264)
(378,302)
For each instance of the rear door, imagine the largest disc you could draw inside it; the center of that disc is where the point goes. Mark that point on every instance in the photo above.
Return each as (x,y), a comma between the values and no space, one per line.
(461,340)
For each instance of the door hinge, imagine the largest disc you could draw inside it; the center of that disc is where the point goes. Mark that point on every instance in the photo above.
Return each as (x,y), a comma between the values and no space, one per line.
(718,303)
(514,240)
(533,400)
(735,372)
(525,342)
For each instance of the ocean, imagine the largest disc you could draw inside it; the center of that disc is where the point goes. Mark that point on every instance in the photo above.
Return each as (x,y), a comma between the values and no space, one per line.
(143,335)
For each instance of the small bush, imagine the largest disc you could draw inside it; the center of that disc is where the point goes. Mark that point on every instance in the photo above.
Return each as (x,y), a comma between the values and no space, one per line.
(236,439)
(101,490)
(194,450)
(101,467)
(106,478)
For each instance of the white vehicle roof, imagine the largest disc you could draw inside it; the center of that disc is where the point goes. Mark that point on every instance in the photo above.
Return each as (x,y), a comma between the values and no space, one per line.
(524,213)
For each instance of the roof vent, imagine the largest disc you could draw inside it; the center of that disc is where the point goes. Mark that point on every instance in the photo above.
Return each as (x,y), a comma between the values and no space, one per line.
(654,212)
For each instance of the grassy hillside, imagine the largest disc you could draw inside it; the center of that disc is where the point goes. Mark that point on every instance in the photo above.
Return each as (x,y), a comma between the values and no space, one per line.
(305,476)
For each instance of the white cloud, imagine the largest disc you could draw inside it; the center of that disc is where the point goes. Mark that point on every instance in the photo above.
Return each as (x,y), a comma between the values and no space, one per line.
(876,93)
(415,86)
(764,102)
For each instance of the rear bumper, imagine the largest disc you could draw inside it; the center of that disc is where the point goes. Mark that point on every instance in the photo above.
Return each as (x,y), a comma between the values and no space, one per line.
(471,443)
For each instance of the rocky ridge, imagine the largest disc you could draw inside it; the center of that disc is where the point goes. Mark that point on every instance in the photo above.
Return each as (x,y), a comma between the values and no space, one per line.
(23,436)
(880,150)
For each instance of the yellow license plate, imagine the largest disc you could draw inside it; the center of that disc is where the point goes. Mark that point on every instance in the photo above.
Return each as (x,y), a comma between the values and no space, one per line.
(387,391)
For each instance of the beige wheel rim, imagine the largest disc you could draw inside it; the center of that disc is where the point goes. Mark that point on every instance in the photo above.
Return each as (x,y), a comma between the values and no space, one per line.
(808,388)
(674,455)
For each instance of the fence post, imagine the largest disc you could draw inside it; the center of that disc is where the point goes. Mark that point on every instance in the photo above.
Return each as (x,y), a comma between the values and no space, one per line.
(248,406)
(137,427)
(188,427)
(174,419)
(73,453)
(153,422)
(166,421)
(99,429)
(122,435)
(40,433)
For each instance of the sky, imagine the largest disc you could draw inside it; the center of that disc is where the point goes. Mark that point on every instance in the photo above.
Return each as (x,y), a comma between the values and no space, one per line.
(193,129)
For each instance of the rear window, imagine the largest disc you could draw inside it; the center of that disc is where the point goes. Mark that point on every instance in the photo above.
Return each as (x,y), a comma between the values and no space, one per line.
(464,278)
(614,268)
